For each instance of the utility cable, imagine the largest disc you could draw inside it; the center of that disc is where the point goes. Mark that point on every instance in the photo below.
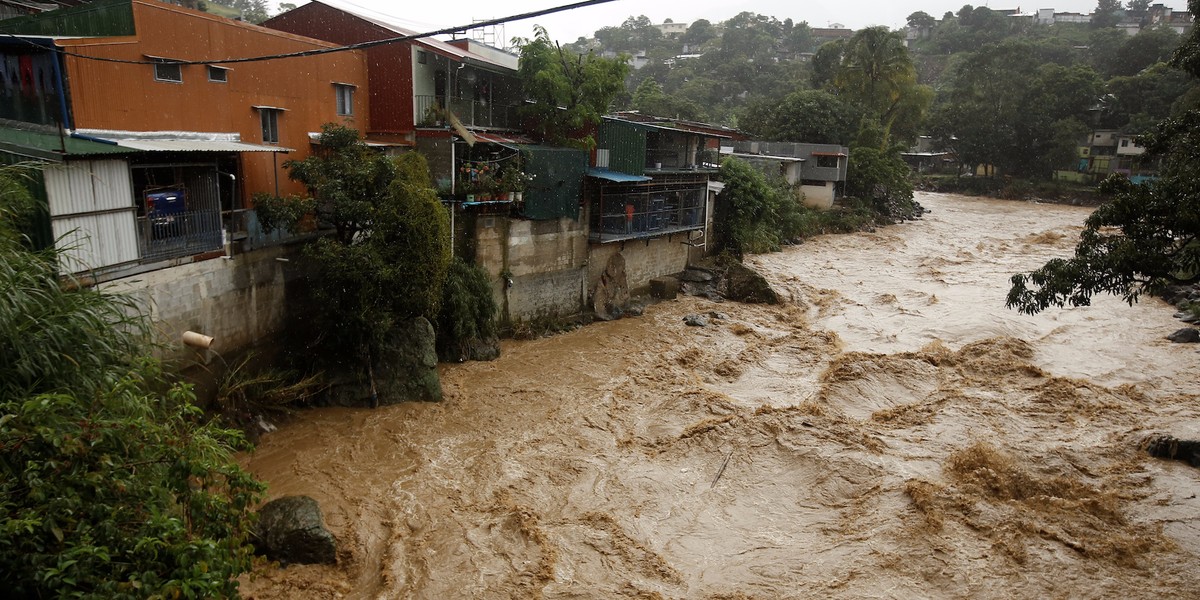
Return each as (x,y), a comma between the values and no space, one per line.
(319,51)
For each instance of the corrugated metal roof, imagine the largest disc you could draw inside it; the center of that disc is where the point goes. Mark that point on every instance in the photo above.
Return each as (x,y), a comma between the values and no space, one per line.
(615,176)
(52,146)
(664,125)
(392,24)
(178,141)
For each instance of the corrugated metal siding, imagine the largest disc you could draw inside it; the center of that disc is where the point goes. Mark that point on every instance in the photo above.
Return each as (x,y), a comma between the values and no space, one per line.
(102,18)
(91,204)
(558,181)
(626,147)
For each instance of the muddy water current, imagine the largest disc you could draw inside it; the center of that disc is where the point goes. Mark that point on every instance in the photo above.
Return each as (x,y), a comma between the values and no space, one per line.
(891,431)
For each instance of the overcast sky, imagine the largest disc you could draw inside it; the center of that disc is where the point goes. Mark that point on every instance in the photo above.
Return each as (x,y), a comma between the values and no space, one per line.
(567,26)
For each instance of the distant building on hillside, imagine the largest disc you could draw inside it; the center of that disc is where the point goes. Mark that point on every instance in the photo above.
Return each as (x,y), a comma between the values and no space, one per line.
(671,29)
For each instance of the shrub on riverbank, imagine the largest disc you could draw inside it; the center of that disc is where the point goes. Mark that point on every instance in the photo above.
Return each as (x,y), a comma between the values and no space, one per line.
(756,214)
(1008,188)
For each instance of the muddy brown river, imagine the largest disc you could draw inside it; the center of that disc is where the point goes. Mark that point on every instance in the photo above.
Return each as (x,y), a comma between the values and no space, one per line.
(891,431)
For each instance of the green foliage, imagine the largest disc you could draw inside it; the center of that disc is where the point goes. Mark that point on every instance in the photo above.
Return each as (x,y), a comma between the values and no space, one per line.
(347,181)
(468,309)
(111,483)
(568,92)
(1147,48)
(755,216)
(810,116)
(881,177)
(1003,106)
(390,251)
(651,100)
(1146,236)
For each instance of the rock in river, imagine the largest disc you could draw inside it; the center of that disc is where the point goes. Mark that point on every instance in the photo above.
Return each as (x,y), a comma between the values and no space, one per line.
(291,530)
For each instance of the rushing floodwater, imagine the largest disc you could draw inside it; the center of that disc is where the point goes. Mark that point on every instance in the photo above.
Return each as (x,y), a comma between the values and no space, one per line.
(891,432)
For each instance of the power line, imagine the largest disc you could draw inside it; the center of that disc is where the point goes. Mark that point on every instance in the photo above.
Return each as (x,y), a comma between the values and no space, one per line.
(319,51)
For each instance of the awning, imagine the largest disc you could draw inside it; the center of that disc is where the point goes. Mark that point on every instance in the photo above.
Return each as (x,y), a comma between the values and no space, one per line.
(828,154)
(615,176)
(175,141)
(511,140)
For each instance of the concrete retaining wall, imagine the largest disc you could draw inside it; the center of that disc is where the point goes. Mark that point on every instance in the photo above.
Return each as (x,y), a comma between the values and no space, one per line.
(238,301)
(546,261)
(644,260)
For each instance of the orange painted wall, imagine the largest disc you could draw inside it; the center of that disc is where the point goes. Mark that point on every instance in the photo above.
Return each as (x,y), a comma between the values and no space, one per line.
(127,97)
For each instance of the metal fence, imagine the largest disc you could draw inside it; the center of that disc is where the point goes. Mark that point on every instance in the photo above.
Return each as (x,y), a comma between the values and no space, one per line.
(180,234)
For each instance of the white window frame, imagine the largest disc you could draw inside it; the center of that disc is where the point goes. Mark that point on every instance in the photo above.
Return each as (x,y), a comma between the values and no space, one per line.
(344,99)
(212,69)
(159,76)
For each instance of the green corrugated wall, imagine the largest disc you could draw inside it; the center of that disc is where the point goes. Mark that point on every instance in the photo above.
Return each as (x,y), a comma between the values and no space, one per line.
(557,181)
(626,145)
(101,18)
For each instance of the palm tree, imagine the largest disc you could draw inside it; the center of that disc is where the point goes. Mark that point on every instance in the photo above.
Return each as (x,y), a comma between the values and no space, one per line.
(877,72)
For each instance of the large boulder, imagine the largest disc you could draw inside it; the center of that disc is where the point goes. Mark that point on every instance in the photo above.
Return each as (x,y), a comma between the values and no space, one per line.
(1187,335)
(291,530)
(610,300)
(406,369)
(743,284)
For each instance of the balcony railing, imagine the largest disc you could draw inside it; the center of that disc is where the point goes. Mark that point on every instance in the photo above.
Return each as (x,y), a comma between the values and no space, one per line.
(472,113)
(180,234)
(641,215)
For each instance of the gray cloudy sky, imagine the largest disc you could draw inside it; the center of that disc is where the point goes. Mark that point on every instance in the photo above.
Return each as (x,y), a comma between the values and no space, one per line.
(566,27)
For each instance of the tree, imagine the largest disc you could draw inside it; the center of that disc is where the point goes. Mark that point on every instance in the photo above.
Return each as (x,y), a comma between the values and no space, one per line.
(700,31)
(755,211)
(650,99)
(877,74)
(568,92)
(1145,237)
(826,62)
(1107,14)
(1002,106)
(881,177)
(386,261)
(921,20)
(112,484)
(1147,48)
(810,116)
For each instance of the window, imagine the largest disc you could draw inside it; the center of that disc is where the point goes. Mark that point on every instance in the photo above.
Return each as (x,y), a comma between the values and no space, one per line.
(1124,143)
(270,124)
(827,162)
(218,74)
(345,99)
(422,57)
(164,71)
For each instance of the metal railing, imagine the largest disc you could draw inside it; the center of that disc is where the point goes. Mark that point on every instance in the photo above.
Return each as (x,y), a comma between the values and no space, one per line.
(639,215)
(429,112)
(163,237)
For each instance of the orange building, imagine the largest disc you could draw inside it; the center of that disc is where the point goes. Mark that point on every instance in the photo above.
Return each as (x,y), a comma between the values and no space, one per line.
(179,149)
(273,103)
